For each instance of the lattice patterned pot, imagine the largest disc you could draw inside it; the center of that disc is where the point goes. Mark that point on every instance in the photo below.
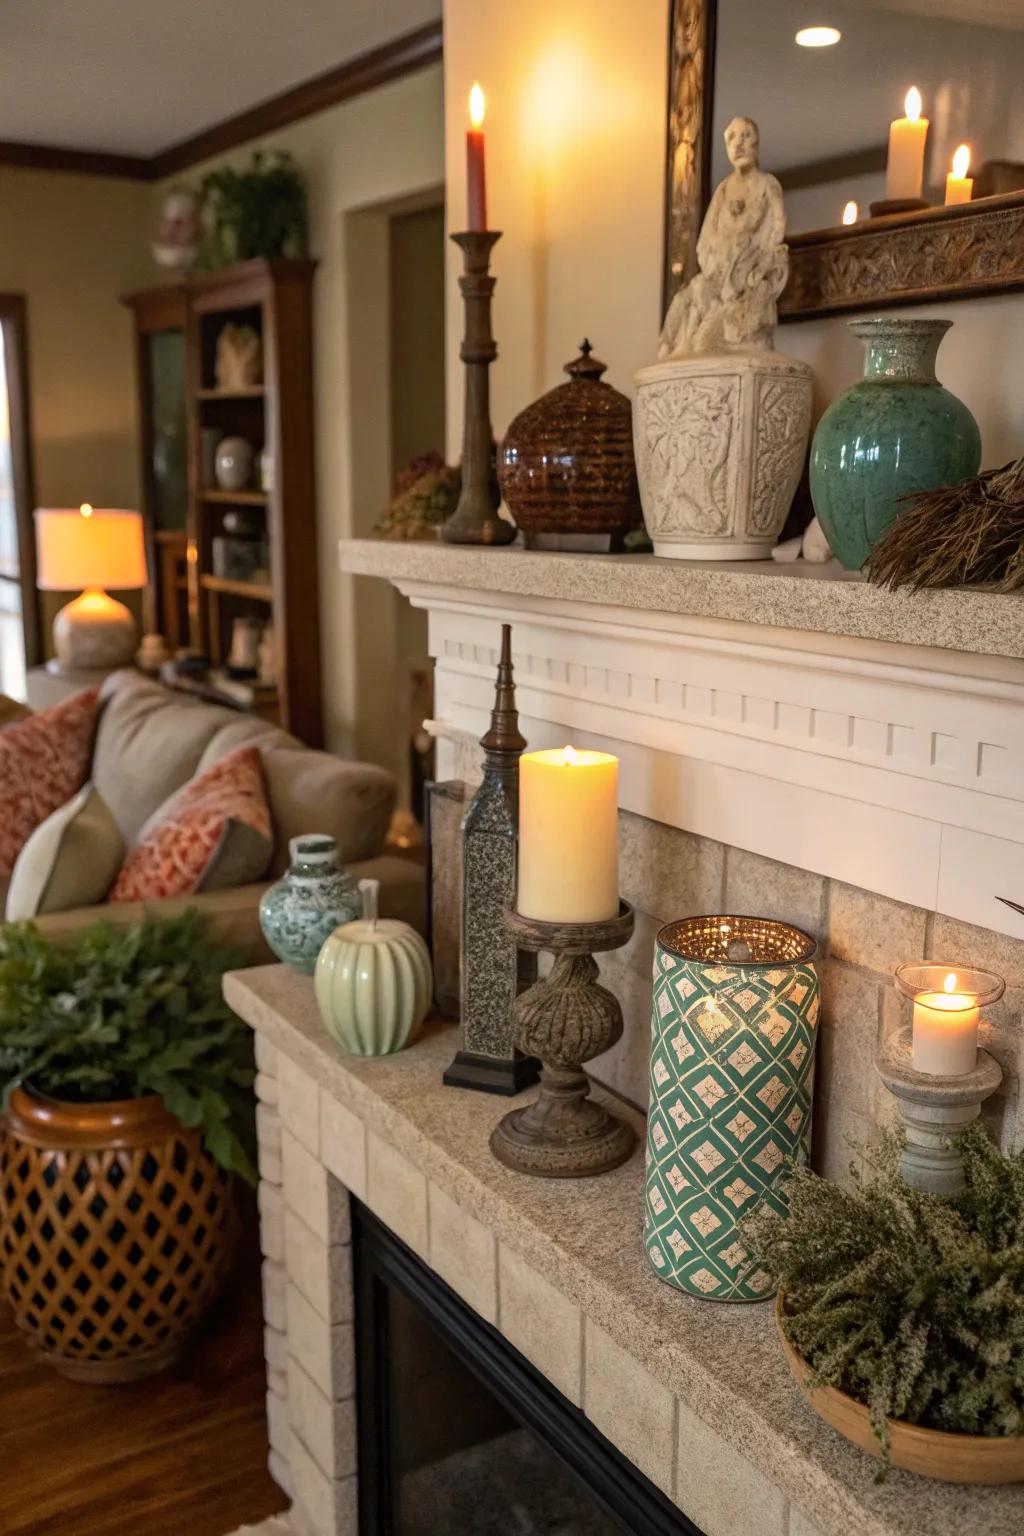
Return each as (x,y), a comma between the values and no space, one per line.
(117,1229)
(732,1046)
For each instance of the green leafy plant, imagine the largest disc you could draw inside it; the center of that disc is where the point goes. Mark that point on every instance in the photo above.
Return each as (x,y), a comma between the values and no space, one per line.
(911,1303)
(259,211)
(126,1012)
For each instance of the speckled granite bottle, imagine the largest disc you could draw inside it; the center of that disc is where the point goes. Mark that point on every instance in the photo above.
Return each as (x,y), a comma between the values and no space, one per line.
(493,969)
(896,431)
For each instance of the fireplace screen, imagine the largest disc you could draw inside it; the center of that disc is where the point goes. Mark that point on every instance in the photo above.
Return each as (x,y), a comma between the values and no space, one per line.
(459,1434)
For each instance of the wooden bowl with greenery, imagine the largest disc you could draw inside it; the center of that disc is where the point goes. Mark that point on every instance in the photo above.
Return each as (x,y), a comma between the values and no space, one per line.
(902,1313)
(930,1452)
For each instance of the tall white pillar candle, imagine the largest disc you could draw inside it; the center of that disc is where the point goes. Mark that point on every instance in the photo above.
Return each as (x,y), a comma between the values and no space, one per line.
(904,172)
(568,836)
(945,1032)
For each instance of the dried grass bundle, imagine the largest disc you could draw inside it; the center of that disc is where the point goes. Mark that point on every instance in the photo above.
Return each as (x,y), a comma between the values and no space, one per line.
(958,535)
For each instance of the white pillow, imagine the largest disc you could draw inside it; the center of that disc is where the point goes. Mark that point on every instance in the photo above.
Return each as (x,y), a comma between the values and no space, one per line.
(71,859)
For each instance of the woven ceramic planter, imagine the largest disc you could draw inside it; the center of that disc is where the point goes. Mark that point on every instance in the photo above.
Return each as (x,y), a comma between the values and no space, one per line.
(117,1229)
(732,1046)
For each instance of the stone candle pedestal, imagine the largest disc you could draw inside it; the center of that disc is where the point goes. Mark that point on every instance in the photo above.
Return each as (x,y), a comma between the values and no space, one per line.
(933,1110)
(566,1019)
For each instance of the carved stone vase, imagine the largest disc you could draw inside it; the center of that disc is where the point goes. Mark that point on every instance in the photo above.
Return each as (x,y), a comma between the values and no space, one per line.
(720,441)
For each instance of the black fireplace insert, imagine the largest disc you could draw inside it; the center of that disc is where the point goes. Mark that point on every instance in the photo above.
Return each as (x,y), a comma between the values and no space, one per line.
(459,1435)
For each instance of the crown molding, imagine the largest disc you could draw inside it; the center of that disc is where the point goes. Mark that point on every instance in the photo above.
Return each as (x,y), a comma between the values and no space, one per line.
(402,56)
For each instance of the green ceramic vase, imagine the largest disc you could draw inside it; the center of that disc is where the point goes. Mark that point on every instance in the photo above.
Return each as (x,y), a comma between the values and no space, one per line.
(896,431)
(373,985)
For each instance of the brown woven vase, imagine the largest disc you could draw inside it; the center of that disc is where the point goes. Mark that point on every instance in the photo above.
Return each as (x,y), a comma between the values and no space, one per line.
(566,465)
(117,1230)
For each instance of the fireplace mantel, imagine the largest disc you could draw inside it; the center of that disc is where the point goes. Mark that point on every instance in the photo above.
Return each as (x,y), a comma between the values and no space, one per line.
(872,737)
(696,1394)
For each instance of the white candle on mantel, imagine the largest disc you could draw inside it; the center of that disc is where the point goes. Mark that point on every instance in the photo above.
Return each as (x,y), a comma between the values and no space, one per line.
(945,1031)
(568,836)
(904,171)
(960,186)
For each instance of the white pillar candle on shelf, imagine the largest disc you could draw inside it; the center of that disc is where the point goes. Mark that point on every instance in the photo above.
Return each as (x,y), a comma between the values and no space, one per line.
(904,172)
(960,186)
(568,836)
(945,1033)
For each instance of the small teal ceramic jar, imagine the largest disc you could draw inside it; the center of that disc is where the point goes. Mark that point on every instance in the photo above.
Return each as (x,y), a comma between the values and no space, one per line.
(896,431)
(308,903)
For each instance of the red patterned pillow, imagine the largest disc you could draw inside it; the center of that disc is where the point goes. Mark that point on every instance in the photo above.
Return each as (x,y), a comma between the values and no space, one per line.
(44,760)
(213,834)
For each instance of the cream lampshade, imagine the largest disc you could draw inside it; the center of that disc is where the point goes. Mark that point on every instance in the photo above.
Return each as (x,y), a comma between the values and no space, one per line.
(86,550)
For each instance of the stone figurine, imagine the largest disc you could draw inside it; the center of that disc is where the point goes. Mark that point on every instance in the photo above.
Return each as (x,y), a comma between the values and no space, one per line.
(721,420)
(742,256)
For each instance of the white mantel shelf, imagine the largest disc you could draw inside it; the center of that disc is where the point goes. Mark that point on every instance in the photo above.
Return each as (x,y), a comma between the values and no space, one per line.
(870,737)
(824,599)
(696,1392)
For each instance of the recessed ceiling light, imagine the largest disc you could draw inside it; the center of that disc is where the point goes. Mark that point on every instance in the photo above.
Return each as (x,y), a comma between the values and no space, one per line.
(818,37)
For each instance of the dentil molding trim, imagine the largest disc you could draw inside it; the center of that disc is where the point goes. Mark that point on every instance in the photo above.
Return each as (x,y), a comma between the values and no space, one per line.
(894,768)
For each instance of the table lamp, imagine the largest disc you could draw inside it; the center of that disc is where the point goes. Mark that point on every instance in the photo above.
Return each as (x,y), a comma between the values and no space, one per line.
(86,550)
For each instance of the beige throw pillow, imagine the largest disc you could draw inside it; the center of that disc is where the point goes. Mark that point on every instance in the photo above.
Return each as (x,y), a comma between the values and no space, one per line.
(71,859)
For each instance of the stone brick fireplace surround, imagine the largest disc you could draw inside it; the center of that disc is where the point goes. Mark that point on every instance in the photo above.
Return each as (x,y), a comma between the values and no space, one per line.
(695,1394)
(845,759)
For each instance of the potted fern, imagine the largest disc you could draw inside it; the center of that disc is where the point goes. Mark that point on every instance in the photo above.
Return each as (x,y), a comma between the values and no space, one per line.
(902,1313)
(258,211)
(127,1108)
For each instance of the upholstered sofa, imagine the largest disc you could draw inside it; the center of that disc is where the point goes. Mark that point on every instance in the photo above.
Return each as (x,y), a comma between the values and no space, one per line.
(151,740)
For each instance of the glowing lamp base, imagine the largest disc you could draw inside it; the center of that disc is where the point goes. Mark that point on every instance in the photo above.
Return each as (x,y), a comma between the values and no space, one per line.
(94,633)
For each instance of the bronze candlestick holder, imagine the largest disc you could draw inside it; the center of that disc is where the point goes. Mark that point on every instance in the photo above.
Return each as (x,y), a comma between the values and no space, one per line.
(566,1019)
(475,519)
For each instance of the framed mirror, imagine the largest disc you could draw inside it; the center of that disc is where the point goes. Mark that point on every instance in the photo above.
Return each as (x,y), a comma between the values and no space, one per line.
(832,111)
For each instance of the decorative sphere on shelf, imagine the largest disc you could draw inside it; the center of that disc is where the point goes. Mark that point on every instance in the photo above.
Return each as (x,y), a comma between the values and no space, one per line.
(373,982)
(232,464)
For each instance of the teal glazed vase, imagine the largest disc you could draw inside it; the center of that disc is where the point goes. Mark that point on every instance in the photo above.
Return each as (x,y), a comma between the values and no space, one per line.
(896,431)
(733,1030)
(308,903)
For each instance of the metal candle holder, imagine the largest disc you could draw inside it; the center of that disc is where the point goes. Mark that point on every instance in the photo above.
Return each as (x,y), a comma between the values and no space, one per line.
(566,1019)
(933,1110)
(475,519)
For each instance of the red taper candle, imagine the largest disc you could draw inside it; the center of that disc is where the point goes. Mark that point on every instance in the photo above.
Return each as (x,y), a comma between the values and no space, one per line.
(476,180)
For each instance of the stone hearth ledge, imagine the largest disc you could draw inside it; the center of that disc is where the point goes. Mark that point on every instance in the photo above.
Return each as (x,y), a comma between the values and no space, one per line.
(823,599)
(696,1393)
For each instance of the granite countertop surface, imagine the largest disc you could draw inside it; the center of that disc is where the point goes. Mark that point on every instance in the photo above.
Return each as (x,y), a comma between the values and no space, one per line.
(823,599)
(584,1237)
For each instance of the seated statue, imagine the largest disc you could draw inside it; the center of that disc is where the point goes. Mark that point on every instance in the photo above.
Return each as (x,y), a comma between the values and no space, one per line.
(731,304)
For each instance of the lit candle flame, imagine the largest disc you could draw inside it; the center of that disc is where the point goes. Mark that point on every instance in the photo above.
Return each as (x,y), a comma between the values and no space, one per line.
(476,107)
(912,104)
(850,213)
(949,985)
(569,757)
(85,509)
(962,161)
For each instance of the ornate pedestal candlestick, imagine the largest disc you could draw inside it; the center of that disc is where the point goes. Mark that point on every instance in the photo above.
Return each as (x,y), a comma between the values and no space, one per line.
(933,1110)
(475,519)
(492,967)
(566,1019)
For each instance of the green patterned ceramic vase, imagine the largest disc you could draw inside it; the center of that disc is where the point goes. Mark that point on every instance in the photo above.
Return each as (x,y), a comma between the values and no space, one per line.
(732,1046)
(896,431)
(308,903)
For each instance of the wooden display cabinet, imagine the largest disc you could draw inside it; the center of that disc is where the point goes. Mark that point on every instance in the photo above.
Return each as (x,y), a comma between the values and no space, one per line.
(177,328)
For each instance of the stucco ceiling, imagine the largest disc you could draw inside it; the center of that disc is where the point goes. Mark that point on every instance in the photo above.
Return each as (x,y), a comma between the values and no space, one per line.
(136,76)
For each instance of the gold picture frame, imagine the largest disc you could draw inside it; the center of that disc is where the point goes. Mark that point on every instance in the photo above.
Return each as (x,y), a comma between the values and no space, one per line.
(911,258)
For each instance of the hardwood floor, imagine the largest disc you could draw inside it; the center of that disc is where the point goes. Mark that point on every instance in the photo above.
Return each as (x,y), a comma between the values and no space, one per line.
(182,1455)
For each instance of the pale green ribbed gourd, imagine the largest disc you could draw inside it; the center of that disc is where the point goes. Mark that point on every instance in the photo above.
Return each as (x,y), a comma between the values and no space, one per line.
(373,982)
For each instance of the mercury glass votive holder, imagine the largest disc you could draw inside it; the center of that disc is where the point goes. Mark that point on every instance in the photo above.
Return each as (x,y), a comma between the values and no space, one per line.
(733,1029)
